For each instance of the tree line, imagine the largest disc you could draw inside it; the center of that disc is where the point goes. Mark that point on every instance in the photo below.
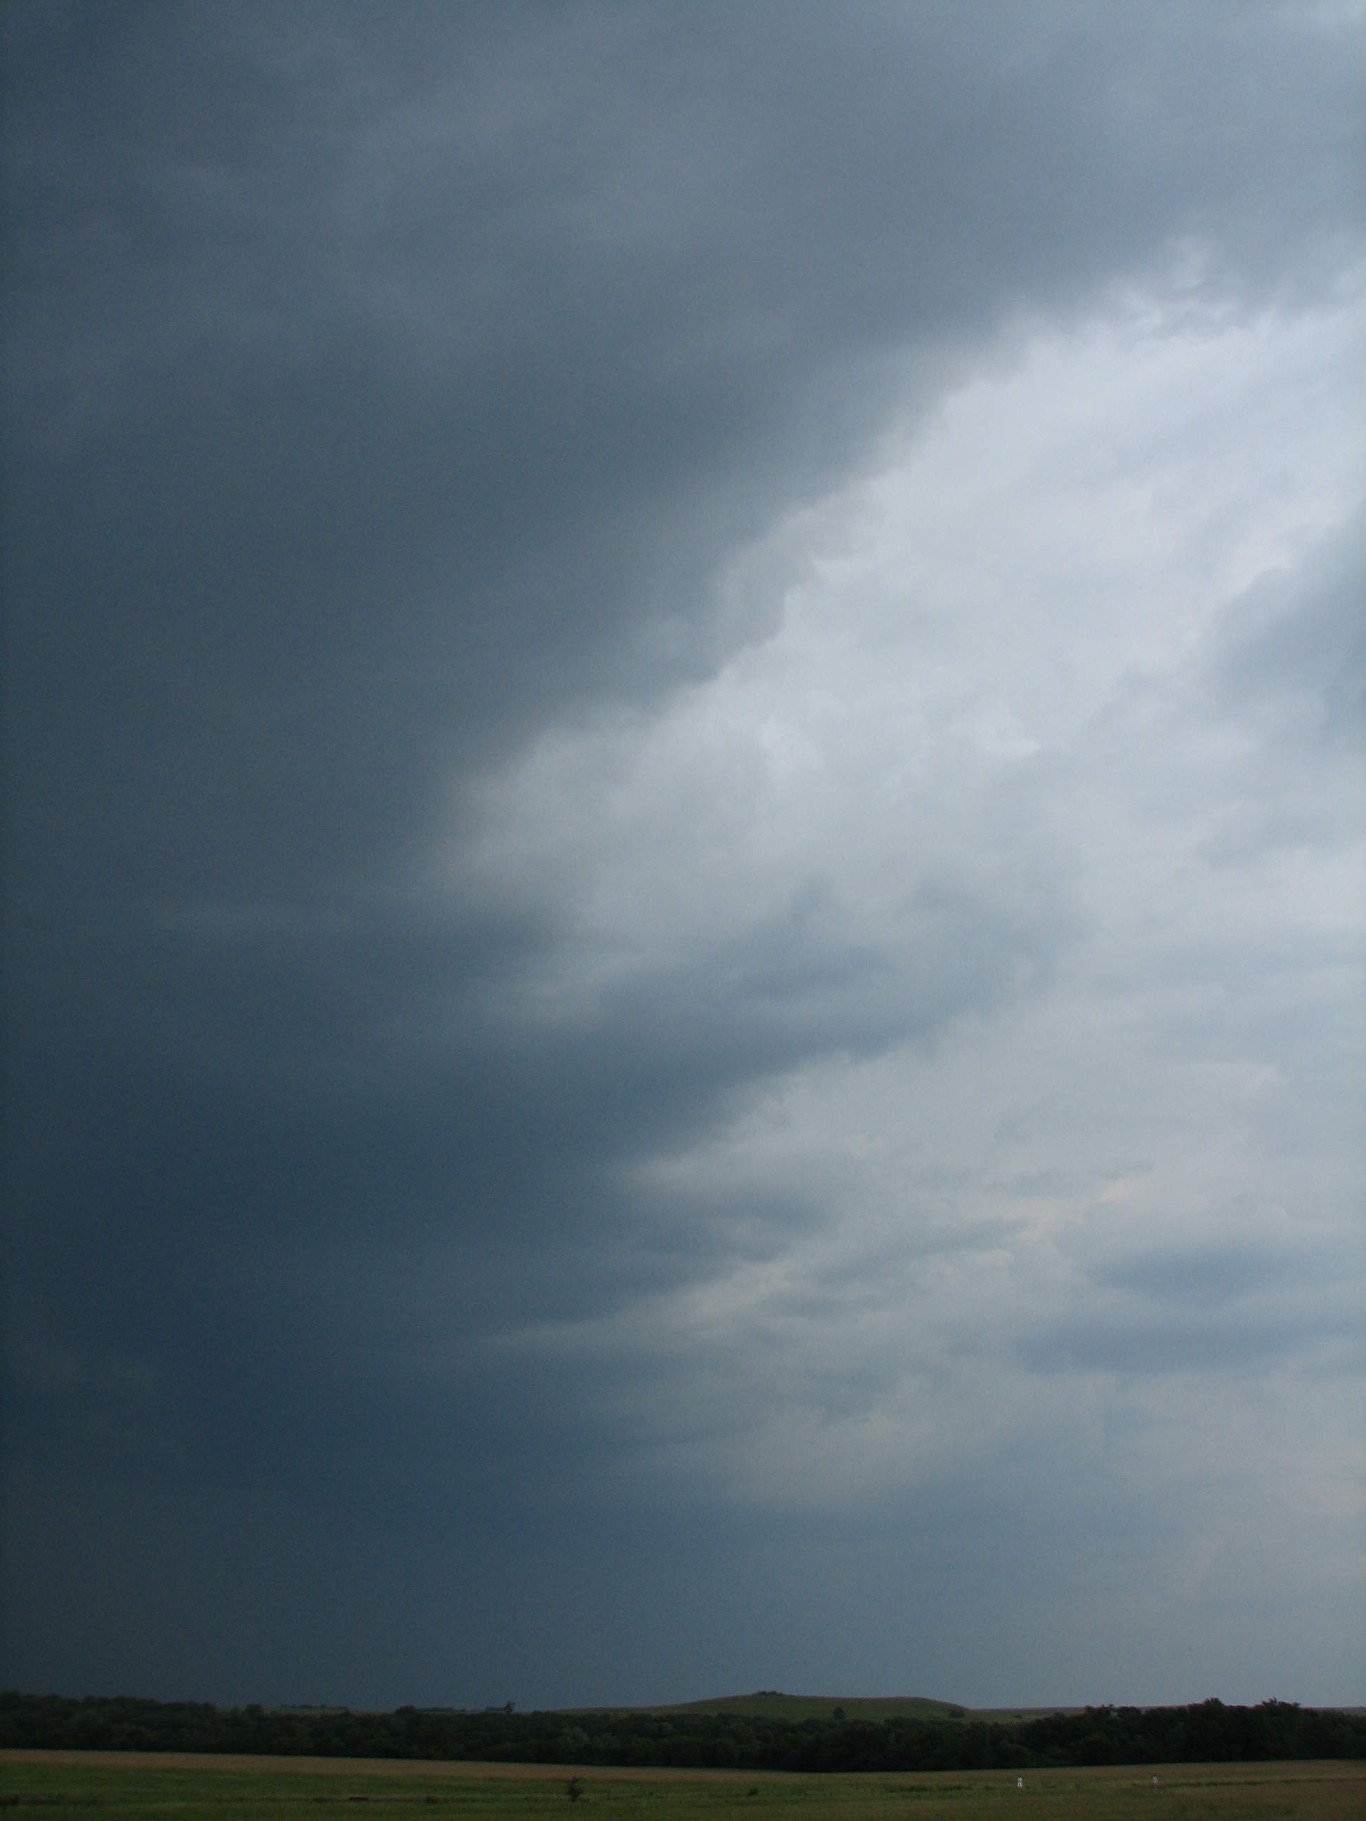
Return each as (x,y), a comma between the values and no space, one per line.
(1204,1732)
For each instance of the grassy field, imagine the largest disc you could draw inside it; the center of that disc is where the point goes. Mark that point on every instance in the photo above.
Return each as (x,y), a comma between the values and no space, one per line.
(122,1786)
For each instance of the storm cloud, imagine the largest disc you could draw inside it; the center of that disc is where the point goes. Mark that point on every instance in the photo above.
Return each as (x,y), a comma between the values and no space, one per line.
(684,851)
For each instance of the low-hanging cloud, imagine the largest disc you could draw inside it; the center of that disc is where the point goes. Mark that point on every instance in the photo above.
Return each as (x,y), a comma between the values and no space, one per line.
(683,850)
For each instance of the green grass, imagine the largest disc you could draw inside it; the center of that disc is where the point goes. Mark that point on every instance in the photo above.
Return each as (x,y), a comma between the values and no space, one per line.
(123,1787)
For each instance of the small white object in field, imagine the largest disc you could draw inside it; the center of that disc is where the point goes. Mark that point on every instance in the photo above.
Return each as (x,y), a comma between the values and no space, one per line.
(1019,1782)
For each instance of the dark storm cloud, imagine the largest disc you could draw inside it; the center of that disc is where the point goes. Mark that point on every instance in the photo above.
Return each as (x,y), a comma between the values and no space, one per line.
(383,387)
(214,1317)
(432,361)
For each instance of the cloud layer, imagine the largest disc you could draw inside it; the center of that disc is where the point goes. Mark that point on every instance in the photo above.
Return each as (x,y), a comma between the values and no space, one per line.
(684,852)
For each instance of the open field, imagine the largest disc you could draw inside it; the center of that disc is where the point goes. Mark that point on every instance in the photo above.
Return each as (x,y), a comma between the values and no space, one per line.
(122,1786)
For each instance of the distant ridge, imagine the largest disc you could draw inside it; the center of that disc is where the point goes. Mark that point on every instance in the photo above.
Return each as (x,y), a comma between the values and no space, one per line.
(771,1704)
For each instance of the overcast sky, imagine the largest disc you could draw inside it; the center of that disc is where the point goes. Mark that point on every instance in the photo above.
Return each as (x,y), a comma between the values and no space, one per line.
(685,850)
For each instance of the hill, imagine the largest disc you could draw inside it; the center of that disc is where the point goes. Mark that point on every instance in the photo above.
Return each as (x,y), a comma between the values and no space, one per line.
(769,1704)
(772,1704)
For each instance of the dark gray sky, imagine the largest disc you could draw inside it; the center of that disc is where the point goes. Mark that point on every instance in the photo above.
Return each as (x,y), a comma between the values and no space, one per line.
(684,854)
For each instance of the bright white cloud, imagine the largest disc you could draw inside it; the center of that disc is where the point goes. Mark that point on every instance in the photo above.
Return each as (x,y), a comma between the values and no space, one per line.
(1061,537)
(995,670)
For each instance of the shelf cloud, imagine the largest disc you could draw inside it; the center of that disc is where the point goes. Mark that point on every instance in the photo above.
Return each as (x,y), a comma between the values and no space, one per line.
(684,852)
